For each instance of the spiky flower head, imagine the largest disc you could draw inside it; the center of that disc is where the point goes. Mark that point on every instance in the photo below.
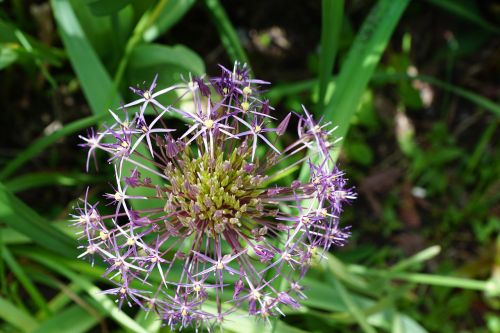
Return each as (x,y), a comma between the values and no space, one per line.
(209,220)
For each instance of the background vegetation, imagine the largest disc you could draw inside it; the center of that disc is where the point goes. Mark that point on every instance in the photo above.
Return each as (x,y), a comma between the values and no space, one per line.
(413,86)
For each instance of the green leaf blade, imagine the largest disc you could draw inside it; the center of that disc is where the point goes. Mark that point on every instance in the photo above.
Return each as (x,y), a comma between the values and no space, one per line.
(361,62)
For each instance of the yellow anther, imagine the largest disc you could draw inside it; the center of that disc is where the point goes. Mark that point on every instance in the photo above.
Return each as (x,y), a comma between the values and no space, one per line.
(147,94)
(209,123)
(123,290)
(118,196)
(103,235)
(130,241)
(245,106)
(247,90)
(184,312)
(124,144)
(144,129)
(256,294)
(220,265)
(225,90)
(197,287)
(154,259)
(257,129)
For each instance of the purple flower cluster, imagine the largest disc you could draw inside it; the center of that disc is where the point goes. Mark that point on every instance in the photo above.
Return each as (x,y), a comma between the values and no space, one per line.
(220,232)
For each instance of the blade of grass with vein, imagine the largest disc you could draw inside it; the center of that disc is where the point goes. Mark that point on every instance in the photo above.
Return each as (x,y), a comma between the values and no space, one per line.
(10,236)
(481,146)
(63,298)
(353,307)
(332,12)
(322,296)
(20,217)
(72,319)
(16,317)
(409,325)
(3,270)
(417,258)
(338,268)
(228,34)
(96,83)
(278,91)
(361,62)
(34,180)
(448,281)
(25,281)
(105,8)
(147,20)
(489,286)
(169,15)
(99,89)
(9,34)
(39,145)
(69,293)
(157,55)
(31,49)
(149,320)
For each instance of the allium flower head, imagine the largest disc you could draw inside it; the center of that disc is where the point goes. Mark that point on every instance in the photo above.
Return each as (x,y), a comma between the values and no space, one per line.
(225,231)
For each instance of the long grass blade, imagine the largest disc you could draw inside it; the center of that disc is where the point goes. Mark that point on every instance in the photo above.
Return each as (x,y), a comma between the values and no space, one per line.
(100,91)
(332,12)
(16,317)
(361,62)
(96,83)
(25,281)
(417,258)
(20,217)
(72,319)
(41,144)
(490,286)
(39,179)
(228,34)
(353,307)
(169,16)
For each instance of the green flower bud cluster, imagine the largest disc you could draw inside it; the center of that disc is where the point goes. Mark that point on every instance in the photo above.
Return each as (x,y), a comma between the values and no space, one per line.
(214,191)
